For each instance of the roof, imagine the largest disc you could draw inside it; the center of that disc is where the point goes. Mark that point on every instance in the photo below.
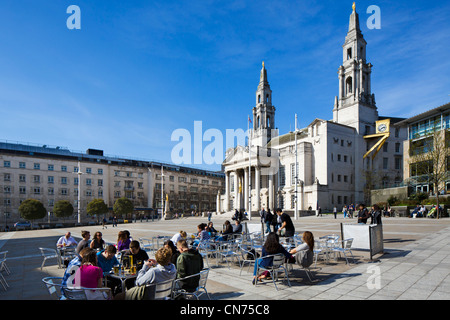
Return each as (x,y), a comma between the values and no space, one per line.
(425,114)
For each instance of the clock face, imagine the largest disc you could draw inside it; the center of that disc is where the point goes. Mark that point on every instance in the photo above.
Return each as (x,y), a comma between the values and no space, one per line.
(382,127)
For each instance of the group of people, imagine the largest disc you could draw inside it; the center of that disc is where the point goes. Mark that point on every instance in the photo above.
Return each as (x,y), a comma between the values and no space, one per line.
(302,254)
(94,262)
(281,222)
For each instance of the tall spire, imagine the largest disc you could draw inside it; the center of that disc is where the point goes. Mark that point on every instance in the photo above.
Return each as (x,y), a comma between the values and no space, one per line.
(263,75)
(354,21)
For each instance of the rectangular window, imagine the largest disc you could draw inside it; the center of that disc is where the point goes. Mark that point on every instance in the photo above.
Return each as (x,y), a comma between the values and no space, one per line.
(64,168)
(37,190)
(37,166)
(6,177)
(50,179)
(22,178)
(385,163)
(50,167)
(88,182)
(88,170)
(22,165)
(100,171)
(100,182)
(397,147)
(64,192)
(51,191)
(7,164)
(37,179)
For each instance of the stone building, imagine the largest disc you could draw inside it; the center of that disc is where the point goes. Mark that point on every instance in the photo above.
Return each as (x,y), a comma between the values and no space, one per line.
(328,163)
(50,174)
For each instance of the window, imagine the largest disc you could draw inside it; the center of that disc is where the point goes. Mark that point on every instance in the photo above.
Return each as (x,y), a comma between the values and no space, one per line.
(6,189)
(397,147)
(349,53)
(22,165)
(37,179)
(100,182)
(172,178)
(7,164)
(398,163)
(37,190)
(293,175)
(63,180)
(116,173)
(88,170)
(75,181)
(51,202)
(140,185)
(64,168)
(88,182)
(88,193)
(22,190)
(100,193)
(50,167)
(37,166)
(385,163)
(64,192)
(50,179)
(282,176)
(6,177)
(385,147)
(349,85)
(51,191)
(22,178)
(100,171)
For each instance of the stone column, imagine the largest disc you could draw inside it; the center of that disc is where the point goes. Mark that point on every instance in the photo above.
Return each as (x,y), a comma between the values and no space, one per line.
(257,187)
(236,191)
(227,191)
(271,203)
(245,186)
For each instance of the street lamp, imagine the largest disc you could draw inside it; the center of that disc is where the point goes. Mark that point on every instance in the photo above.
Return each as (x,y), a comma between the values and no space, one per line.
(79,173)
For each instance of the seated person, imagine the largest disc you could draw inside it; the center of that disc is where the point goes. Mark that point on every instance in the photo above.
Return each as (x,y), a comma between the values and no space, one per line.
(210,228)
(139,255)
(86,235)
(175,253)
(178,236)
(106,259)
(153,271)
(66,241)
(202,235)
(227,229)
(306,248)
(72,267)
(237,228)
(189,262)
(271,246)
(97,242)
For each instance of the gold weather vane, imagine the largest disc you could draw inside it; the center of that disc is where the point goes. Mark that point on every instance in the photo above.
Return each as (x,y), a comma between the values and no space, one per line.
(263,64)
(354,6)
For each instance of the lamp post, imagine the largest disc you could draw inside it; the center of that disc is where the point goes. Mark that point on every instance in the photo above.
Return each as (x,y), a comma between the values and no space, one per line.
(296,171)
(162,192)
(79,173)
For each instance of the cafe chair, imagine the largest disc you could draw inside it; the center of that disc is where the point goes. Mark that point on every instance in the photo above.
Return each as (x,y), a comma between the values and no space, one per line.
(53,285)
(248,255)
(146,244)
(276,267)
(3,266)
(48,253)
(81,293)
(159,291)
(199,290)
(345,249)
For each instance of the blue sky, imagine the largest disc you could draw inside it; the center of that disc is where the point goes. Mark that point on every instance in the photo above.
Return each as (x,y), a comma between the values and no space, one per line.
(138,70)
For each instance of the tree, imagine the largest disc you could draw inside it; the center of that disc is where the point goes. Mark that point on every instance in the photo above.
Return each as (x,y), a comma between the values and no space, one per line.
(123,206)
(63,209)
(97,207)
(32,209)
(429,159)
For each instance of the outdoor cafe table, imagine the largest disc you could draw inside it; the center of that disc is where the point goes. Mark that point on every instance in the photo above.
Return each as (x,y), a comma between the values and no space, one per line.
(122,276)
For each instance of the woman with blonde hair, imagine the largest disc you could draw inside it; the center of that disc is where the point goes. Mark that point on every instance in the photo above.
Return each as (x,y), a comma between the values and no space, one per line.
(178,236)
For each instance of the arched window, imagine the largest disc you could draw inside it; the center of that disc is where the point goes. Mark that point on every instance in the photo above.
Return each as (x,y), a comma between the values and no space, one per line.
(349,85)
(259,98)
(267,98)
(257,122)
(268,121)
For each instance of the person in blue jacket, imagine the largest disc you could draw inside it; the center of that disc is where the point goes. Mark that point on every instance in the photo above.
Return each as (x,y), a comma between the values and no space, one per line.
(271,246)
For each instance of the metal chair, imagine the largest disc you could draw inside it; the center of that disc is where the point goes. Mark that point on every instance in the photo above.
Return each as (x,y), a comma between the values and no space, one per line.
(229,250)
(276,267)
(53,285)
(146,244)
(248,255)
(48,253)
(208,249)
(345,248)
(3,265)
(320,249)
(81,293)
(198,292)
(159,291)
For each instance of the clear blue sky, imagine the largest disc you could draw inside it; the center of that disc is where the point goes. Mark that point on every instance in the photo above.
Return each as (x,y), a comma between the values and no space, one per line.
(138,70)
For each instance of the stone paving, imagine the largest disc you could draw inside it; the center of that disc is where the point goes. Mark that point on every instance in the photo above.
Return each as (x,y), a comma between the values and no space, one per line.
(415,263)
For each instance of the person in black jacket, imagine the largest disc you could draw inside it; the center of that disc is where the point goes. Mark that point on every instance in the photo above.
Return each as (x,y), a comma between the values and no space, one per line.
(363,214)
(189,262)
(268,220)
(376,215)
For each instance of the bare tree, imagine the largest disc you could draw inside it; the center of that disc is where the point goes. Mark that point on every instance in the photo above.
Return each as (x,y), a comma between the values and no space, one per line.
(429,158)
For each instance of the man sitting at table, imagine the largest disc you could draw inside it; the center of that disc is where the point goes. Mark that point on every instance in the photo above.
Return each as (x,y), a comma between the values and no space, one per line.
(137,253)
(189,262)
(237,228)
(66,241)
(153,272)
(106,259)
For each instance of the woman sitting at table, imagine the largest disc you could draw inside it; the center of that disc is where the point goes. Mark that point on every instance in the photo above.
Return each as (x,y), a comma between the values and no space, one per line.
(227,229)
(123,241)
(303,253)
(153,271)
(175,253)
(97,242)
(202,235)
(271,246)
(89,275)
